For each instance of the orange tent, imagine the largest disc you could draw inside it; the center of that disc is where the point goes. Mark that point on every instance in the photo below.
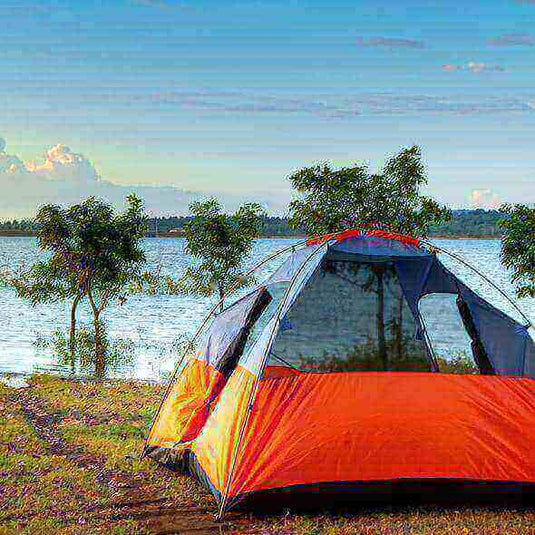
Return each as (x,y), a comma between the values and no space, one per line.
(332,373)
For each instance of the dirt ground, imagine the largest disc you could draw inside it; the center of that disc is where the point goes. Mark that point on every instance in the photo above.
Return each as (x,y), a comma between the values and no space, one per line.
(69,464)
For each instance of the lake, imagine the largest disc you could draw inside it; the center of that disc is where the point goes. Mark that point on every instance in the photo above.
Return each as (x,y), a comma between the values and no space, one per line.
(155,325)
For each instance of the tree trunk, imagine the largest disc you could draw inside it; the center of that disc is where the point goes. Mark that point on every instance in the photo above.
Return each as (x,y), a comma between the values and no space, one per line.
(100,357)
(100,349)
(72,332)
(383,355)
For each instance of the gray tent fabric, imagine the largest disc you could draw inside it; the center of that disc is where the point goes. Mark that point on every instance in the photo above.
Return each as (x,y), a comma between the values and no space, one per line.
(529,364)
(439,280)
(222,337)
(412,275)
(506,342)
(509,347)
(288,269)
(254,356)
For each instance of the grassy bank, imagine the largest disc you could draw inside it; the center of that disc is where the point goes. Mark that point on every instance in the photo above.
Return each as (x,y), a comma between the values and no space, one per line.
(69,465)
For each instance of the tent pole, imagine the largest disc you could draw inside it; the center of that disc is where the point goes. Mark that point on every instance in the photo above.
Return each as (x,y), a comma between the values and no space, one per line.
(254,391)
(207,318)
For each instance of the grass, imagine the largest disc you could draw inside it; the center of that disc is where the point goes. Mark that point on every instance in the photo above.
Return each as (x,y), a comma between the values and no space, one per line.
(69,465)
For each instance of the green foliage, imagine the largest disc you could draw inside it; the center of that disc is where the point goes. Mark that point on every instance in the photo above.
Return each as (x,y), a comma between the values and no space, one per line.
(219,244)
(22,225)
(118,352)
(476,222)
(271,226)
(91,253)
(459,363)
(367,357)
(518,247)
(337,199)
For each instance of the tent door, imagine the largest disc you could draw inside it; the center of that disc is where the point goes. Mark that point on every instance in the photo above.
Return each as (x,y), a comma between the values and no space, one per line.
(478,350)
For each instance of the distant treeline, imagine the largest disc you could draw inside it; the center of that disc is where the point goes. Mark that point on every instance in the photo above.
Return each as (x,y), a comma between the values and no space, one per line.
(463,223)
(273,226)
(26,225)
(471,223)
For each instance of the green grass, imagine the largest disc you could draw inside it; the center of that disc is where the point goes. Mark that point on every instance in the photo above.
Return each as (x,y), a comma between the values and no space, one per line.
(90,480)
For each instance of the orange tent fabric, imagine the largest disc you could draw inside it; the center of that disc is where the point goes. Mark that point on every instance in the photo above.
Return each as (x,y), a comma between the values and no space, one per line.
(259,427)
(305,429)
(186,407)
(341,427)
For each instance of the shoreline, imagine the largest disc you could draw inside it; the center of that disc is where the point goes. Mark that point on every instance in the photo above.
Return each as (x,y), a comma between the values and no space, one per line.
(7,378)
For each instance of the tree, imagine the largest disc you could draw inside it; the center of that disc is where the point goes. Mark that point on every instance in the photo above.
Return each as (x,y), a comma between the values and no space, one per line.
(337,199)
(93,253)
(333,200)
(518,247)
(219,243)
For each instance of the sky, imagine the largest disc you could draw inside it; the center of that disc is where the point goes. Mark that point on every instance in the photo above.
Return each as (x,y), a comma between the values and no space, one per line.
(177,99)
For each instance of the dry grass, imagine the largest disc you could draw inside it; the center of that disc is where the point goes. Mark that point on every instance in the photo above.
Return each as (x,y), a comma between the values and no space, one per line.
(69,465)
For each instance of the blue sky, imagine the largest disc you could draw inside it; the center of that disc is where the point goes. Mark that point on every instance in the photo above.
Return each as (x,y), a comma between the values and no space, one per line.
(230,96)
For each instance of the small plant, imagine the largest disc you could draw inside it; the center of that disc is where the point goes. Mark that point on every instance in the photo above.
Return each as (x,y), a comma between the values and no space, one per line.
(118,353)
(367,357)
(458,362)
(219,244)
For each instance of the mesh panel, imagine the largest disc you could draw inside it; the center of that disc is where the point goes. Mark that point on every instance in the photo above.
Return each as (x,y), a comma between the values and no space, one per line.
(451,342)
(350,316)
(276,292)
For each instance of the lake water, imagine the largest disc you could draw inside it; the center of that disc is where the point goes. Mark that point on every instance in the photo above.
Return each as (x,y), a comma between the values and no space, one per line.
(154,324)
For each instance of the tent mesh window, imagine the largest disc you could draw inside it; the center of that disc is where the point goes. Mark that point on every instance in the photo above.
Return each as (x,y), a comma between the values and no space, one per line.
(276,292)
(351,316)
(452,345)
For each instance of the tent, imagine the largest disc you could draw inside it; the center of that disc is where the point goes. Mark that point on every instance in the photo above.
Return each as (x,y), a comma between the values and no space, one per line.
(332,374)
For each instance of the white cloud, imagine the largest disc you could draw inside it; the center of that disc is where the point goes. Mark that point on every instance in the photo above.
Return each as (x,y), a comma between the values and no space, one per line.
(333,107)
(479,66)
(484,198)
(67,177)
(163,5)
(475,67)
(513,39)
(390,42)
(61,163)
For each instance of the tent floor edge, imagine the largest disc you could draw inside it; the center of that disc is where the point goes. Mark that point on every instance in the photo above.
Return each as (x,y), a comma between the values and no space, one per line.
(196,470)
(442,491)
(184,462)
(171,459)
